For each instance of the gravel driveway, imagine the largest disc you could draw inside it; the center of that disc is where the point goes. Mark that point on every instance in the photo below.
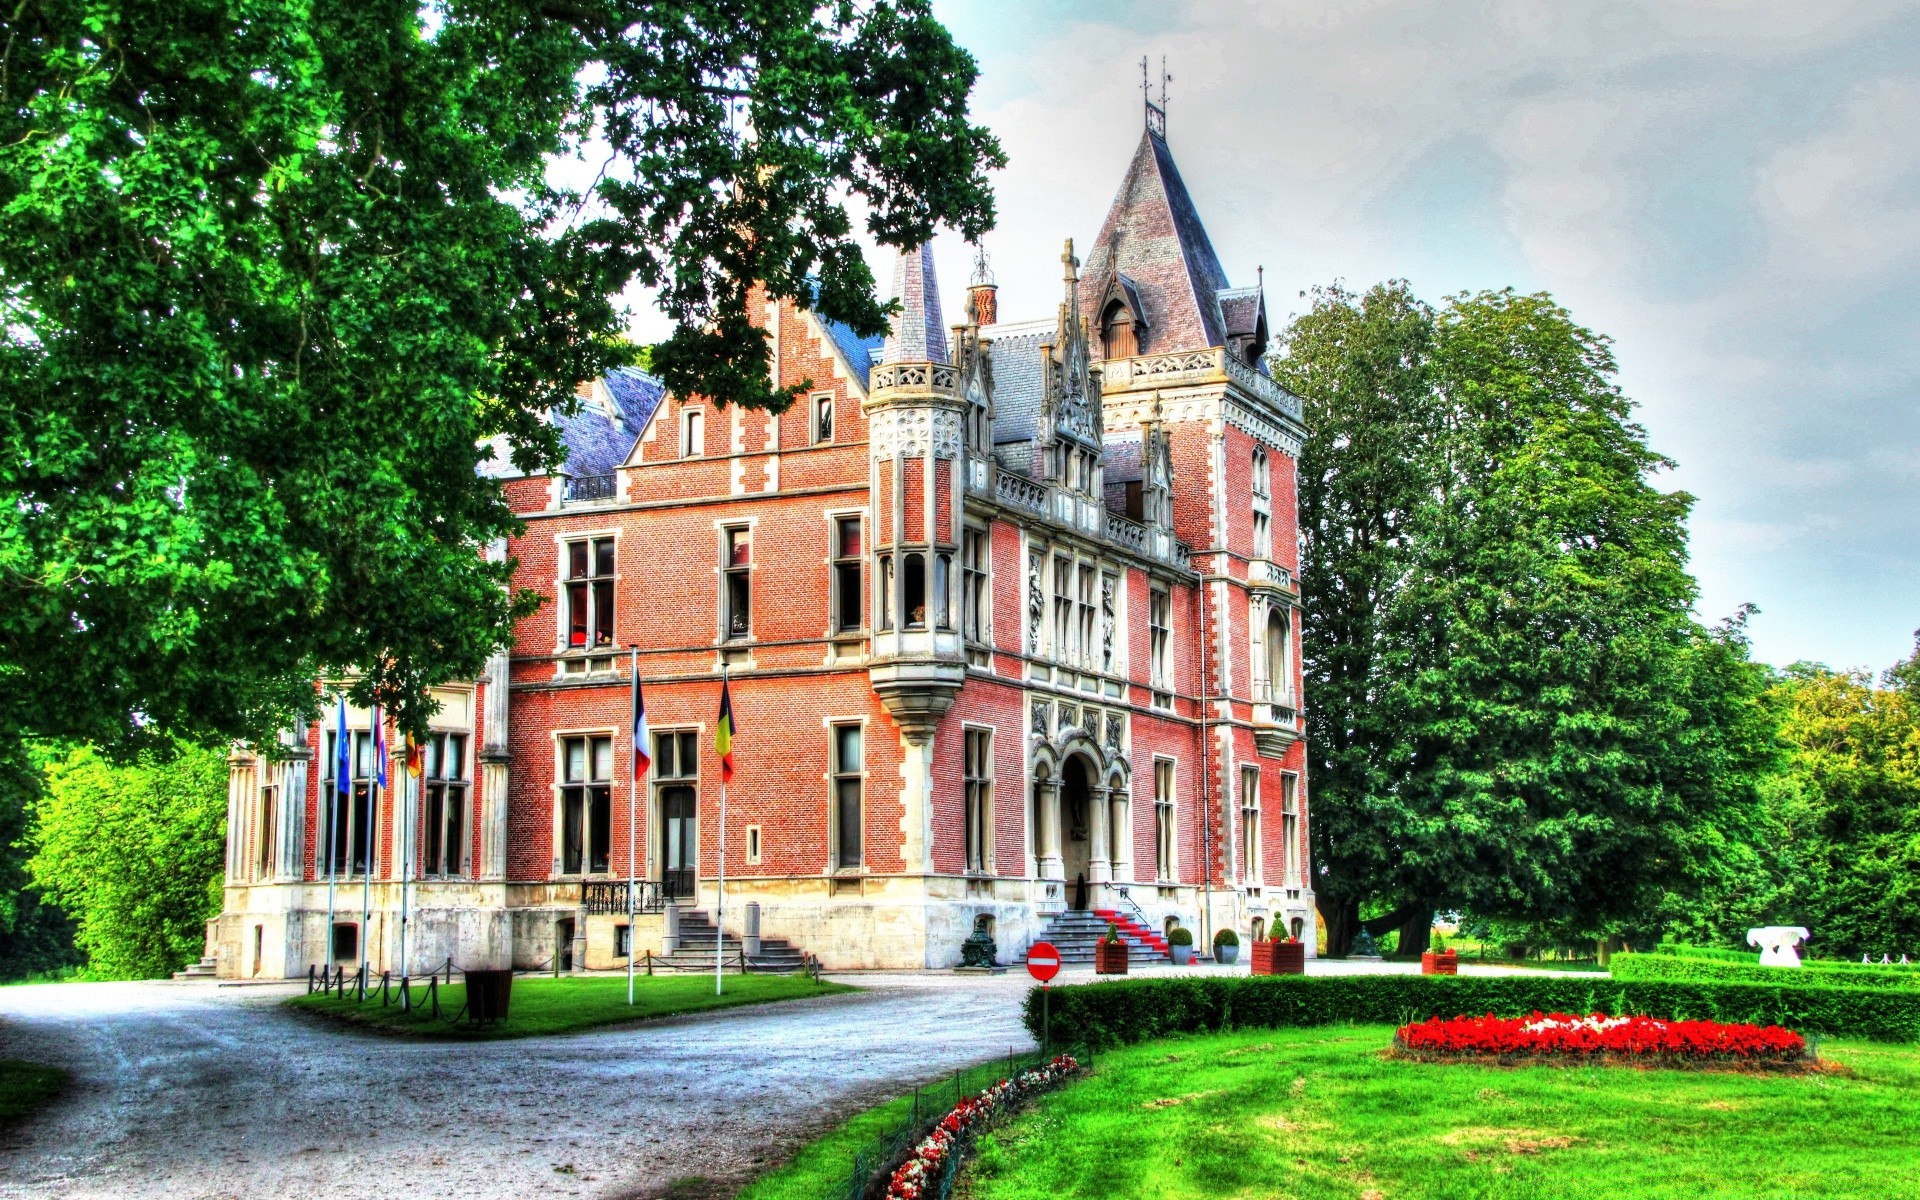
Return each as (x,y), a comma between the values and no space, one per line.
(192,1090)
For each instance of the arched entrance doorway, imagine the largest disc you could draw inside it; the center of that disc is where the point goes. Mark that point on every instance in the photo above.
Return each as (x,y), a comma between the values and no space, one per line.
(1076,830)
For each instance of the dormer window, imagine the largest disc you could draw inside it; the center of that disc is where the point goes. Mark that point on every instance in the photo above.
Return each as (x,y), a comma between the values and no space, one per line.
(1117,336)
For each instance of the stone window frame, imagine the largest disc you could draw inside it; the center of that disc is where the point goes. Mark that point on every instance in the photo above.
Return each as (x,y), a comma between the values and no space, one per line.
(1166,819)
(656,807)
(1160,644)
(724,574)
(836,562)
(570,660)
(693,418)
(832,779)
(976,611)
(822,433)
(559,738)
(978,799)
(1252,862)
(1290,828)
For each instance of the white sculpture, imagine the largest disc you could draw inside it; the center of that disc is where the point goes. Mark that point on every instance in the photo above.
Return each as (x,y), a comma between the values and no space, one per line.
(1776,944)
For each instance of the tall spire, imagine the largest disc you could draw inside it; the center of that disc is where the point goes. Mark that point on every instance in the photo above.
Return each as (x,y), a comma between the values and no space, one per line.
(919,332)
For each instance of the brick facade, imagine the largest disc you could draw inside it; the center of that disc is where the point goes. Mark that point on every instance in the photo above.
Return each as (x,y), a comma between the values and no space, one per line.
(1094,494)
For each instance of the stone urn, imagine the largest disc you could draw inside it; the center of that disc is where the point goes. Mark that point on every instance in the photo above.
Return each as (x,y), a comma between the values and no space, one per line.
(1109,958)
(1445,963)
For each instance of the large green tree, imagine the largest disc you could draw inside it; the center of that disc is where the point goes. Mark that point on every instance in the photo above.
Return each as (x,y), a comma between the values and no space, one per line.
(1850,801)
(274,272)
(1517,709)
(133,852)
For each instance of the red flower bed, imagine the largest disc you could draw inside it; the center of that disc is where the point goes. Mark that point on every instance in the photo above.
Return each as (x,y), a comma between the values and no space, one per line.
(1564,1035)
(918,1175)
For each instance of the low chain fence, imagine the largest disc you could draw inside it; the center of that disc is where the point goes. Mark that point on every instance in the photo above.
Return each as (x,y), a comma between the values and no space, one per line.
(921,1156)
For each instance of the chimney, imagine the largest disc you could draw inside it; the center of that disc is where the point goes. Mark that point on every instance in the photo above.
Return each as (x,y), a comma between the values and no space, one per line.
(983,296)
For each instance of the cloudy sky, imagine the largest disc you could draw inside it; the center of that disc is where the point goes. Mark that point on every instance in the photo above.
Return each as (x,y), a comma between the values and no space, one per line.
(1729,188)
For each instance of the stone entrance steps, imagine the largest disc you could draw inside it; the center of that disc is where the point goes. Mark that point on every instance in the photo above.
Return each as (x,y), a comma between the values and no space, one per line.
(694,951)
(206,968)
(1075,931)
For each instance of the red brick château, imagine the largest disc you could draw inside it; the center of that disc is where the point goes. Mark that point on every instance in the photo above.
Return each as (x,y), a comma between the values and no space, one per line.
(1008,610)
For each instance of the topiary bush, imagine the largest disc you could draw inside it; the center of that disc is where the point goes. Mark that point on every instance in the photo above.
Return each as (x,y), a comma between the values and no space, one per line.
(1112,1014)
(1226,937)
(1180,935)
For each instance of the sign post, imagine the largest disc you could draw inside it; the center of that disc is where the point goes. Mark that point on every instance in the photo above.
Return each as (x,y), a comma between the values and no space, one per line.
(1043,963)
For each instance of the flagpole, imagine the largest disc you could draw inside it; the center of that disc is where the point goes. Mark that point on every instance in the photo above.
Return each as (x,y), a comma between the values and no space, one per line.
(633,803)
(406,849)
(720,887)
(366,878)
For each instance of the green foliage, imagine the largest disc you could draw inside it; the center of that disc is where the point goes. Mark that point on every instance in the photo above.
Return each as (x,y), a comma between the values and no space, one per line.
(1809,974)
(1112,936)
(1180,935)
(1717,953)
(1226,937)
(36,938)
(1321,1114)
(134,853)
(279,275)
(1123,1011)
(1514,713)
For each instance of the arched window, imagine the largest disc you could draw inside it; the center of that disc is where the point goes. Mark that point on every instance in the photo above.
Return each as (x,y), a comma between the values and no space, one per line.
(1117,335)
(1279,655)
(914,591)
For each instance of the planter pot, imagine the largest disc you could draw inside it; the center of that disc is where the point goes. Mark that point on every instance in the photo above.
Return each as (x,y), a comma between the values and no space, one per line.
(1227,953)
(1440,964)
(1109,958)
(1279,958)
(488,995)
(1181,955)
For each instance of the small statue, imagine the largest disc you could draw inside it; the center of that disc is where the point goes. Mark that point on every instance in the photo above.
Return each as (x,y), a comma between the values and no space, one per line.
(1363,946)
(978,950)
(1776,944)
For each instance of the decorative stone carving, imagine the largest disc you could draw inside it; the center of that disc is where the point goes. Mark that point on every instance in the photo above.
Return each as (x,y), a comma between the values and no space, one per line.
(1070,406)
(1036,602)
(1106,622)
(946,434)
(1040,718)
(1114,729)
(1069,720)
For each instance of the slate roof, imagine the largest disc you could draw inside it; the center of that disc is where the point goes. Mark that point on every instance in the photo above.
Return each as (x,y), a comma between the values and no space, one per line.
(919,331)
(1122,458)
(1154,237)
(1019,380)
(599,439)
(858,353)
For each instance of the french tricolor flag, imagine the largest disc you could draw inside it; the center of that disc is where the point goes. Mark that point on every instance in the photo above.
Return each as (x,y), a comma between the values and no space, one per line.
(642,760)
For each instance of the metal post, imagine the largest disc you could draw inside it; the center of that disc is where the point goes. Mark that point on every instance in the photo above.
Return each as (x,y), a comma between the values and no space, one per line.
(720,885)
(373,857)
(633,803)
(406,823)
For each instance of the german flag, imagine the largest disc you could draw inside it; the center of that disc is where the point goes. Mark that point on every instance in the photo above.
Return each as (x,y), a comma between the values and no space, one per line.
(723,732)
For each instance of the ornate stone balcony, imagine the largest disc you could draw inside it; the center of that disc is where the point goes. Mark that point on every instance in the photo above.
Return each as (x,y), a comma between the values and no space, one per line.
(1265,573)
(1194,367)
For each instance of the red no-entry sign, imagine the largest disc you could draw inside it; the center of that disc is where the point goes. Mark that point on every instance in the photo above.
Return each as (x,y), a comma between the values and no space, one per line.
(1043,961)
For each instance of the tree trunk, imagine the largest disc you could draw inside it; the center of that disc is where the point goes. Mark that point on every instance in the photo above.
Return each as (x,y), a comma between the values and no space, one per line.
(1343,923)
(1416,930)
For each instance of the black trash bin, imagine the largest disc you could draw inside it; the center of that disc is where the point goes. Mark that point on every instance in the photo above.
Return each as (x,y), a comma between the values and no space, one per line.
(488,993)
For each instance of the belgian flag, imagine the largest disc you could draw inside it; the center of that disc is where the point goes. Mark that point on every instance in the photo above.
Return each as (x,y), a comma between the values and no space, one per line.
(723,732)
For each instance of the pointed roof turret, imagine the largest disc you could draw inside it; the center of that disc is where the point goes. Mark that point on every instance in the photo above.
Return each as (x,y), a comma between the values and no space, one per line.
(919,331)
(1153,246)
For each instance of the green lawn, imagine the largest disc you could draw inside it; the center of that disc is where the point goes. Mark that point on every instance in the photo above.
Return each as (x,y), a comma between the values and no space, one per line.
(1318,1113)
(544,1005)
(25,1087)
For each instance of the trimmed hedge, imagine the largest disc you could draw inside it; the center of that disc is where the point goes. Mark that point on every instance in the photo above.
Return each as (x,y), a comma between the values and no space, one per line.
(1110,1014)
(1810,974)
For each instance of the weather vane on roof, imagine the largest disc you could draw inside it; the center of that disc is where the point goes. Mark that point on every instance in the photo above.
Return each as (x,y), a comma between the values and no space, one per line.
(1156,113)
